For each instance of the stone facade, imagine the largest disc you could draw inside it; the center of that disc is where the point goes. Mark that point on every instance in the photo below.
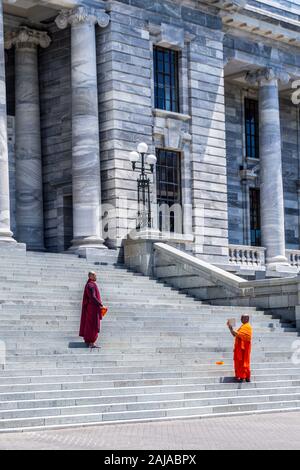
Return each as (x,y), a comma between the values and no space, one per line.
(96,102)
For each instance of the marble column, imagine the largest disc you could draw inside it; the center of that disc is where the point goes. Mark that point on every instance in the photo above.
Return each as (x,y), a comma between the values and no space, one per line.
(271,183)
(29,181)
(5,232)
(86,183)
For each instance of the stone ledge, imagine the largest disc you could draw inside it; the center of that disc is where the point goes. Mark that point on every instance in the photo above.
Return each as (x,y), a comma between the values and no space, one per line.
(156,235)
(171,115)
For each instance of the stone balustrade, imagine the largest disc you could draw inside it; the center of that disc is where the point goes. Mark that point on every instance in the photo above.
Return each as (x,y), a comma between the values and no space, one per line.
(247,255)
(293,257)
(242,255)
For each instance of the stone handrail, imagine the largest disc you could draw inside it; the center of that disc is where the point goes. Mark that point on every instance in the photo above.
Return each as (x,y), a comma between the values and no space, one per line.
(210,283)
(247,255)
(195,266)
(218,287)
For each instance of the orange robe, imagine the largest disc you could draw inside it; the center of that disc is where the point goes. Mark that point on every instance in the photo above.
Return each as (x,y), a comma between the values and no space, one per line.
(242,352)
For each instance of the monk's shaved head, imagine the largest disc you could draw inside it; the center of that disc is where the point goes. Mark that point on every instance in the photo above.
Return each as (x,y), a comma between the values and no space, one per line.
(245,319)
(92,275)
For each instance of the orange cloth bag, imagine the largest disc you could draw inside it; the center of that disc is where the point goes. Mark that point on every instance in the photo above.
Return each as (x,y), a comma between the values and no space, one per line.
(103,311)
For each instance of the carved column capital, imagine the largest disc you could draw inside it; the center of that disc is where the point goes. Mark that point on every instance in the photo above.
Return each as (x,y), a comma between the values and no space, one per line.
(27,38)
(82,15)
(267,74)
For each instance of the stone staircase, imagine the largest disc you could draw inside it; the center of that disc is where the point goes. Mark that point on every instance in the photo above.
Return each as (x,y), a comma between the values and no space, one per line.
(157,358)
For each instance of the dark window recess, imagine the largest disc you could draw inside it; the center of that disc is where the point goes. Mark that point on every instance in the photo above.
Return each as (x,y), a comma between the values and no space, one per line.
(252,128)
(255,225)
(68,221)
(168,188)
(166,79)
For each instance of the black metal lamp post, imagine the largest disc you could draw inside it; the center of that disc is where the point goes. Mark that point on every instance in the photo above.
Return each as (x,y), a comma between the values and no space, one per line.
(144,219)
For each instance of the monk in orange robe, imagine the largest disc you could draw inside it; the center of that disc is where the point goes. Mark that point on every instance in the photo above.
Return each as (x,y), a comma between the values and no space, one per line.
(242,349)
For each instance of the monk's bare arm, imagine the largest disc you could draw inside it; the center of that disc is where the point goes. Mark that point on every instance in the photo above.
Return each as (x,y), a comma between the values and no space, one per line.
(232,331)
(94,298)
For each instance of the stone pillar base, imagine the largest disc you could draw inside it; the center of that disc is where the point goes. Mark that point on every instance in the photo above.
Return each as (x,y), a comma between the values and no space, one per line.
(7,237)
(12,246)
(85,246)
(281,270)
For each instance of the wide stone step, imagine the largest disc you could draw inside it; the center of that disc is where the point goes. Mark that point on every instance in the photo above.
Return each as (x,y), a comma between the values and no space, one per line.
(205,346)
(178,312)
(129,370)
(150,414)
(70,332)
(75,274)
(112,327)
(158,356)
(101,375)
(56,362)
(34,390)
(19,286)
(156,340)
(138,299)
(229,389)
(110,359)
(18,408)
(178,315)
(109,405)
(193,307)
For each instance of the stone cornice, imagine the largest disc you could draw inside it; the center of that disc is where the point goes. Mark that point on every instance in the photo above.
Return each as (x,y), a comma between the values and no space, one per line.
(82,15)
(26,37)
(229,5)
(258,25)
(267,74)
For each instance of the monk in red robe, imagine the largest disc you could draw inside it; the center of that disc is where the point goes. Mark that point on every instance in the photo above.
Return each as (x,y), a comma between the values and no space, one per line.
(242,349)
(91,313)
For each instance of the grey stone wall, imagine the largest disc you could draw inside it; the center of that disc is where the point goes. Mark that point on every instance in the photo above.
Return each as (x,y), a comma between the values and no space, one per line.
(290,170)
(208,137)
(125,109)
(55,101)
(235,158)
(125,84)
(126,101)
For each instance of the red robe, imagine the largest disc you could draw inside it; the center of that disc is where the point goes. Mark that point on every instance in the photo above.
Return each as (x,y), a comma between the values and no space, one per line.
(242,352)
(90,315)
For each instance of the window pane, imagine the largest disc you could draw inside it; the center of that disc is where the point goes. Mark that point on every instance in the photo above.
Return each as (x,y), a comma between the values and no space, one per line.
(168,184)
(166,79)
(255,224)
(252,128)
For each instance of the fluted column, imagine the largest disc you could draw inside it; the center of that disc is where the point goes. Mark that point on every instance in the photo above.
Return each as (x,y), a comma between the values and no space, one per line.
(5,232)
(271,186)
(29,181)
(86,184)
